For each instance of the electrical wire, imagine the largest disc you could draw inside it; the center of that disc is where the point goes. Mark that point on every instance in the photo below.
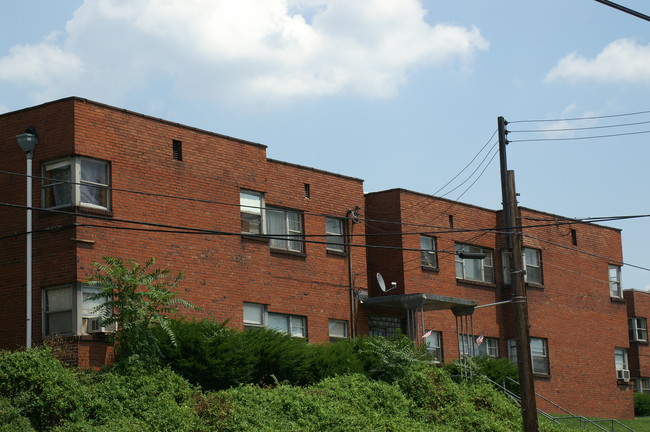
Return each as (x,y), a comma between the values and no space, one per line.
(580,118)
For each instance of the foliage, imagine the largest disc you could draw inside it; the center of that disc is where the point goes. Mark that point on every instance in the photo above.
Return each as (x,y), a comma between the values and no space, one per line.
(389,359)
(500,370)
(11,420)
(37,385)
(141,298)
(641,404)
(216,357)
(345,403)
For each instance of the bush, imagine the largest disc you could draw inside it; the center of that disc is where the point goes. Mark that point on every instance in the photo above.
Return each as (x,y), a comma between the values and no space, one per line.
(37,385)
(216,357)
(641,404)
(500,370)
(11,420)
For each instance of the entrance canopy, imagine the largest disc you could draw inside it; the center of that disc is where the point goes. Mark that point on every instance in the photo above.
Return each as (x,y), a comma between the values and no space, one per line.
(422,302)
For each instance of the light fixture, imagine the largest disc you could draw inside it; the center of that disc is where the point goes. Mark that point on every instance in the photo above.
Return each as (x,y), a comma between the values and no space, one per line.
(27,142)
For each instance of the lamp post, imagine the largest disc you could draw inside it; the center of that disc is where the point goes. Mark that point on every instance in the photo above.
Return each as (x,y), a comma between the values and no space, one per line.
(27,141)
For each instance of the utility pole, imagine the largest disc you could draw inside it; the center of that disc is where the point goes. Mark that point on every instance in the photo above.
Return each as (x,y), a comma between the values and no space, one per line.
(519,298)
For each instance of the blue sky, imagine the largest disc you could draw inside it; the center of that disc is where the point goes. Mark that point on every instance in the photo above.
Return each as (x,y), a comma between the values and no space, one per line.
(399,93)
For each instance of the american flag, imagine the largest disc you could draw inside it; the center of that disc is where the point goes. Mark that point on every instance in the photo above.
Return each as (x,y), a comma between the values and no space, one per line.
(427,334)
(479,340)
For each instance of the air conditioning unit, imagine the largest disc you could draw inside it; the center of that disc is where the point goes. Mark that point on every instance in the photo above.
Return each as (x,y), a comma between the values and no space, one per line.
(93,325)
(623,374)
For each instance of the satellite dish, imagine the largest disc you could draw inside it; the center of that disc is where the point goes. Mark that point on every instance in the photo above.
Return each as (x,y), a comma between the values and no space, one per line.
(382,284)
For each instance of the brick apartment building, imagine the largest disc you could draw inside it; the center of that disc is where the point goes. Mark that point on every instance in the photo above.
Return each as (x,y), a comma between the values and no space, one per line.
(264,243)
(116,183)
(637,358)
(577,312)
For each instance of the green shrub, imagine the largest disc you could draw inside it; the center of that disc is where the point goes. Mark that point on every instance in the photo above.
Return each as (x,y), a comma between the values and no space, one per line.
(11,420)
(641,404)
(40,387)
(500,370)
(389,359)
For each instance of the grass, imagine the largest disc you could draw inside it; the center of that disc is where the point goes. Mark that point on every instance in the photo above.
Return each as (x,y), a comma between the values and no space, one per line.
(639,424)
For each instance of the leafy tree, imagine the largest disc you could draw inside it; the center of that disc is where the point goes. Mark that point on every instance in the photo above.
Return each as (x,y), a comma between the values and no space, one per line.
(141,298)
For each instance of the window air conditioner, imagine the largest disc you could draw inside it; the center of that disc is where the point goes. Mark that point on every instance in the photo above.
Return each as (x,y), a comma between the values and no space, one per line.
(623,374)
(93,325)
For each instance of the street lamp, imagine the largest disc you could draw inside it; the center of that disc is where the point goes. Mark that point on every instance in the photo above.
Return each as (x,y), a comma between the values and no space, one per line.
(27,141)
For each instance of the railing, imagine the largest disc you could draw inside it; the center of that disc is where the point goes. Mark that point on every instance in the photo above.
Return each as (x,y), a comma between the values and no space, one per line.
(582,422)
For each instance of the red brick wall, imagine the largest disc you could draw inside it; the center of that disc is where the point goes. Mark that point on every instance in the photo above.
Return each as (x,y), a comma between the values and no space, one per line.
(638,305)
(222,269)
(572,309)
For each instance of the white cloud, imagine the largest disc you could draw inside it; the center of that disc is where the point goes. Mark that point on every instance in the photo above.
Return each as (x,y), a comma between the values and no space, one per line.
(621,61)
(242,50)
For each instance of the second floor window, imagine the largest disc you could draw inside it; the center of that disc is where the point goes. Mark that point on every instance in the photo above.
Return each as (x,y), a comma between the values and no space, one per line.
(538,352)
(334,234)
(251,205)
(638,329)
(428,247)
(76,182)
(285,229)
(532,264)
(474,269)
(615,281)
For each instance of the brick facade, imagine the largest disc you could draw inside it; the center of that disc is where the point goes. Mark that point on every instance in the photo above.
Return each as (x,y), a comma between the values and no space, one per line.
(185,211)
(570,307)
(638,308)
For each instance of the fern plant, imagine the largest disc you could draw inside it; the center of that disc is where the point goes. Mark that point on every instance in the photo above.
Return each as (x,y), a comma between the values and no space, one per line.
(140,298)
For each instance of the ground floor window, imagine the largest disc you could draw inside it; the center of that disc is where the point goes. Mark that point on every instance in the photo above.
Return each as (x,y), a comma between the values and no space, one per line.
(642,385)
(381,325)
(338,329)
(538,352)
(473,346)
(72,310)
(257,315)
(433,341)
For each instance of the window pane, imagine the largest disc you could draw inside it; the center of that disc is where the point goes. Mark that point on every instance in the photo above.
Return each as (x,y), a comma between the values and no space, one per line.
(276,226)
(96,173)
(250,202)
(59,323)
(253,314)
(279,322)
(334,234)
(58,299)
(428,247)
(57,187)
(338,328)
(297,326)
(88,306)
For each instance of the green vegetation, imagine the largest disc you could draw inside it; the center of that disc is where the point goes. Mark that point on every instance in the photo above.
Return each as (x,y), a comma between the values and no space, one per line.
(388,386)
(143,300)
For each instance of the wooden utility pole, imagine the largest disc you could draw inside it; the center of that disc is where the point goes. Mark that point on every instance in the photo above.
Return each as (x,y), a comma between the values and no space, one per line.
(512,224)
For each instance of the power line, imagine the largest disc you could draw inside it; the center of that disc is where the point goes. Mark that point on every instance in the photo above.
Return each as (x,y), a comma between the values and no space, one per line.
(579,118)
(581,138)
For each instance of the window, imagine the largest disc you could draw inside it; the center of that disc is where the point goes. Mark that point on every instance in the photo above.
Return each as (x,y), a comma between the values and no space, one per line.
(338,329)
(256,315)
(251,205)
(538,352)
(638,329)
(382,325)
(434,345)
(77,181)
(481,270)
(474,346)
(69,310)
(334,234)
(642,385)
(615,281)
(429,254)
(285,228)
(532,264)
(620,359)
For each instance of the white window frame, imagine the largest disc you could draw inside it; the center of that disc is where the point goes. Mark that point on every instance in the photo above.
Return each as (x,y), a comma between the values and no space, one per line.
(538,353)
(75,184)
(334,234)
(470,347)
(620,359)
(290,236)
(80,311)
(251,205)
(257,315)
(429,254)
(615,290)
(532,264)
(338,329)
(638,329)
(463,264)
(434,346)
